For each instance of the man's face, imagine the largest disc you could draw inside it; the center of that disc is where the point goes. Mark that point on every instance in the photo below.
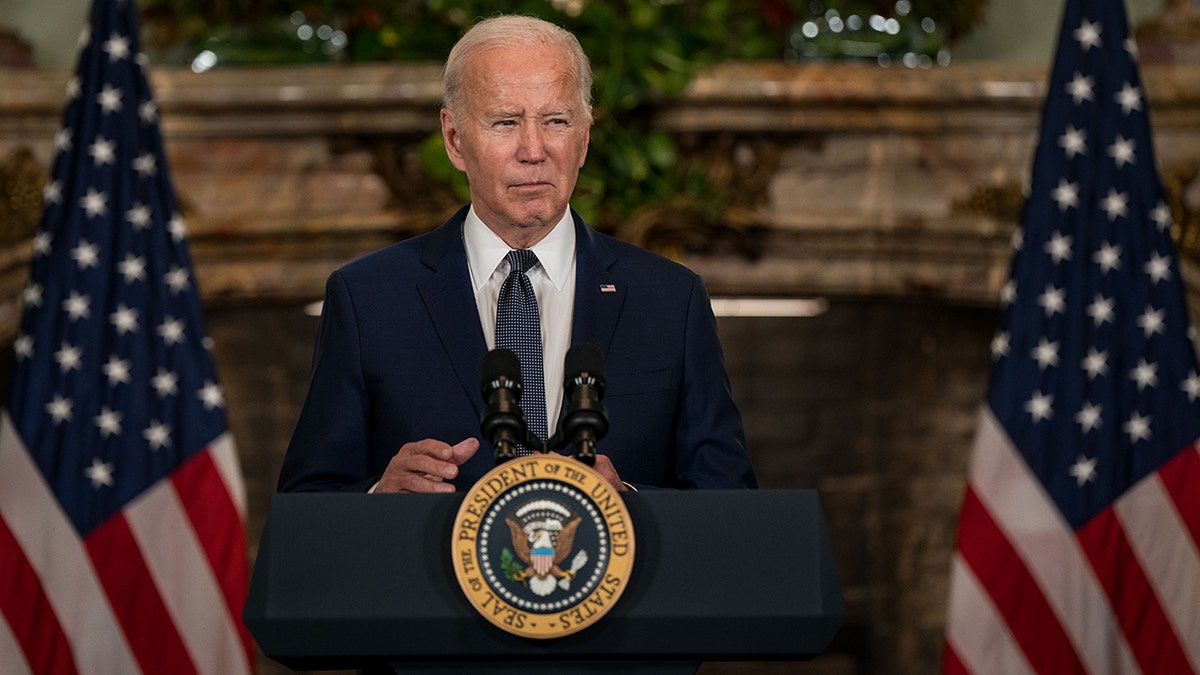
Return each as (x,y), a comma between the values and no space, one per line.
(521,137)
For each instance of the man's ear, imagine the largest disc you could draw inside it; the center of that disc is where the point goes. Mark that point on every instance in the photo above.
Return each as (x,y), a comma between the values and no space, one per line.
(452,139)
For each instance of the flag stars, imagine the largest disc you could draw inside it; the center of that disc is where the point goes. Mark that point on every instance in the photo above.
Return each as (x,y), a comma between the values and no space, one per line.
(109,422)
(109,99)
(158,435)
(145,164)
(1083,470)
(1088,34)
(1045,353)
(148,112)
(23,347)
(1066,195)
(1095,363)
(1040,406)
(73,88)
(210,394)
(125,320)
(117,371)
(1059,247)
(52,193)
(132,268)
(1073,141)
(1008,293)
(1053,300)
(86,254)
(1138,427)
(94,203)
(1158,267)
(1145,374)
(1080,88)
(1108,257)
(77,306)
(1088,418)
(176,279)
(117,47)
(41,243)
(1101,310)
(1131,48)
(103,151)
(1152,321)
(1191,386)
(1000,345)
(68,357)
(32,295)
(171,331)
(177,228)
(1115,204)
(165,383)
(1161,215)
(62,139)
(100,473)
(138,216)
(1130,98)
(59,409)
(1122,151)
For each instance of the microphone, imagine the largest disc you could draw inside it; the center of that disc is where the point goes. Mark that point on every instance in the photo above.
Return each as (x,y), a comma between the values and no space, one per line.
(503,421)
(586,420)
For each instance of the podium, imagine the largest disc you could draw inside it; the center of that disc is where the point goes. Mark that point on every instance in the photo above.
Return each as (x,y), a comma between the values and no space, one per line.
(356,580)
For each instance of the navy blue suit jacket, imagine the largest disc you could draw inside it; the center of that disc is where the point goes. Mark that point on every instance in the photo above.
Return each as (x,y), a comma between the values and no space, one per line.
(400,347)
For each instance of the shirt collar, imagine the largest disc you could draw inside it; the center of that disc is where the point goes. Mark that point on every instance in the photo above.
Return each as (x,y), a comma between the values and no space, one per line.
(486,250)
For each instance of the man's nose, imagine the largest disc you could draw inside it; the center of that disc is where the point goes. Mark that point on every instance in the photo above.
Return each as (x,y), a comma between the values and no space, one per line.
(532,146)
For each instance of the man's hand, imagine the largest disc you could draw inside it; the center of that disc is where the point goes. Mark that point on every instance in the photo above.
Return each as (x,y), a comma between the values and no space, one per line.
(426,466)
(604,467)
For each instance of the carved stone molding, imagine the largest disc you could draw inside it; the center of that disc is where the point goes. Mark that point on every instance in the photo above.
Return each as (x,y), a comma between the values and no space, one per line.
(841,179)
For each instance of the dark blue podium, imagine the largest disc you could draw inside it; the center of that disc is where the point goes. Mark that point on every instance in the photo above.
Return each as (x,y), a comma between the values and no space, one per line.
(356,580)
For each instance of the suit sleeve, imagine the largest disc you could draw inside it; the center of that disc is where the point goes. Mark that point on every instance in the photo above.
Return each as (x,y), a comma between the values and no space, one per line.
(709,439)
(330,448)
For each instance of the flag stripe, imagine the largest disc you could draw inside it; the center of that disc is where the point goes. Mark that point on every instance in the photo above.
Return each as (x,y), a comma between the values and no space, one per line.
(224,456)
(52,548)
(1179,478)
(951,664)
(1003,483)
(36,633)
(1154,644)
(15,664)
(1013,591)
(202,494)
(185,582)
(977,637)
(1168,555)
(135,600)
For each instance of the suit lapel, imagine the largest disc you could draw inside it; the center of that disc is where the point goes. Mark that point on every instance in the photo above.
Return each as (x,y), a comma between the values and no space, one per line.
(599,295)
(450,301)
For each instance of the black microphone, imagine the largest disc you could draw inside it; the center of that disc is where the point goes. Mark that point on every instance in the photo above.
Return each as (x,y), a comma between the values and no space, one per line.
(586,420)
(503,421)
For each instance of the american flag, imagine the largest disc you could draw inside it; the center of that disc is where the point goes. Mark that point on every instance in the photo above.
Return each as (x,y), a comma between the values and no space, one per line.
(1077,541)
(121,502)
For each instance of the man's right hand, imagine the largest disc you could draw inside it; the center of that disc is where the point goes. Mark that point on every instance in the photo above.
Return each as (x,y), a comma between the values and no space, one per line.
(426,466)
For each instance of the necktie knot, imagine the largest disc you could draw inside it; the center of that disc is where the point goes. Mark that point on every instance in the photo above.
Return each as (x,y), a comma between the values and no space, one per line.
(521,260)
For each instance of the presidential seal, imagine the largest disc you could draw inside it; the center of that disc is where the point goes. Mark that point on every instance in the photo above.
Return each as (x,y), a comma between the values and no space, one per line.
(542,546)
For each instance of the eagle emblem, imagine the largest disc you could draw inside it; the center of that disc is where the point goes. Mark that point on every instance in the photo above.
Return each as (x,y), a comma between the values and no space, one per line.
(543,536)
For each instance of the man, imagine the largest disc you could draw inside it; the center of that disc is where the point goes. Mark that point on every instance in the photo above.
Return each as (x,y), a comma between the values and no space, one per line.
(394,403)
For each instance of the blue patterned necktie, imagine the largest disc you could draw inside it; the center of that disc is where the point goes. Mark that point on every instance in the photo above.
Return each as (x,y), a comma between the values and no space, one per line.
(519,329)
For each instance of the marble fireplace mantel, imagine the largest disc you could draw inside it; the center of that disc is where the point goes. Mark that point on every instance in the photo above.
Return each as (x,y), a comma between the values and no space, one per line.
(868,182)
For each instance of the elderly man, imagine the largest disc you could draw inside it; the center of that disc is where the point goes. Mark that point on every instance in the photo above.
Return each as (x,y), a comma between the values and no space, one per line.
(394,403)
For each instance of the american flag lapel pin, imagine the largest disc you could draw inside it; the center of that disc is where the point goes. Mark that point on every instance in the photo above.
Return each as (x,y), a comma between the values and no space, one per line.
(608,288)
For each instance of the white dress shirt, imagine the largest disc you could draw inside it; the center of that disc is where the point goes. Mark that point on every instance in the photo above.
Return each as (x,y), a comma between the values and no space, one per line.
(553,280)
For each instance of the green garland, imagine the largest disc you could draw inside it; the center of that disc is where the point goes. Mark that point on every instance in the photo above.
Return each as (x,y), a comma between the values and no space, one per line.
(642,51)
